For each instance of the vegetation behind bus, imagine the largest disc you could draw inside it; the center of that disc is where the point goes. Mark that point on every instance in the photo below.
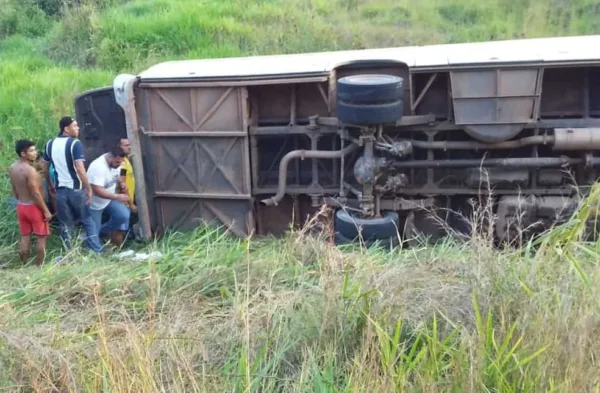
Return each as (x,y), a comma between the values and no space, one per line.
(223,314)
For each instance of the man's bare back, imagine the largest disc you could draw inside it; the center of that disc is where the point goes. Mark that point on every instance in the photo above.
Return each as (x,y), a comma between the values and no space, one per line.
(20,175)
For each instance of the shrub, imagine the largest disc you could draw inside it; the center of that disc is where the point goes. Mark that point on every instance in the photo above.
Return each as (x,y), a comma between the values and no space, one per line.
(17,18)
(73,41)
(58,8)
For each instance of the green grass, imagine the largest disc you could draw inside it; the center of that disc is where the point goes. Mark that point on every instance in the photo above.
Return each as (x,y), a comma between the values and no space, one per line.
(294,314)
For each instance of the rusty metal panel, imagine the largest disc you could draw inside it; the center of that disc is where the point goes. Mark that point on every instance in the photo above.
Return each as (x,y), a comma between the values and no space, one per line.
(515,110)
(273,102)
(188,213)
(212,165)
(196,109)
(494,110)
(475,83)
(200,157)
(495,96)
(312,100)
(563,92)
(517,82)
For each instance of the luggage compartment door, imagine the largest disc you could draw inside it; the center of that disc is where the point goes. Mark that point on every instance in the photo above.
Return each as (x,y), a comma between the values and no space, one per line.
(197,156)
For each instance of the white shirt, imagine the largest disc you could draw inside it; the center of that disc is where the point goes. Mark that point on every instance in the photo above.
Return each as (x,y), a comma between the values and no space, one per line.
(101,174)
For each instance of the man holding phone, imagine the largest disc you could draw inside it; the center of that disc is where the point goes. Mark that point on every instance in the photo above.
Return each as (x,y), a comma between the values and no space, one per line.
(104,174)
(127,186)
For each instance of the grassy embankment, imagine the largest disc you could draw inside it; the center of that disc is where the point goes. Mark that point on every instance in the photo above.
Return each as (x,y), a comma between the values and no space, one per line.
(219,314)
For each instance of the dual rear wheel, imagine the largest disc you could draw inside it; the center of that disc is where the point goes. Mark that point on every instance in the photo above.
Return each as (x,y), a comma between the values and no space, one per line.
(370,99)
(367,100)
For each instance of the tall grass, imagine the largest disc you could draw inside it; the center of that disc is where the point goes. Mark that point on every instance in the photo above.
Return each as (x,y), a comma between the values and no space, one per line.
(138,33)
(291,315)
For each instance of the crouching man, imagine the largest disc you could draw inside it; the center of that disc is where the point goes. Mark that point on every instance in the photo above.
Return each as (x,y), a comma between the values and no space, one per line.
(104,174)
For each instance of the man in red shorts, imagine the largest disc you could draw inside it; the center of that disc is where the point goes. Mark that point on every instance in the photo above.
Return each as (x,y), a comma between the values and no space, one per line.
(32,211)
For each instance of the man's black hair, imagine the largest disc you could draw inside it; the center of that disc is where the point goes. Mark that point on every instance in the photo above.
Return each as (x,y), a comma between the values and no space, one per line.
(117,151)
(22,146)
(65,122)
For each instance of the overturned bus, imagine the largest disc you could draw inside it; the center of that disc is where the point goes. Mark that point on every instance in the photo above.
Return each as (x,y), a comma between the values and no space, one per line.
(396,140)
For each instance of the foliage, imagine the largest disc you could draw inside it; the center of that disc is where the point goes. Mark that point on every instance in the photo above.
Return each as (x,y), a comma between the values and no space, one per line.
(296,314)
(15,18)
(293,314)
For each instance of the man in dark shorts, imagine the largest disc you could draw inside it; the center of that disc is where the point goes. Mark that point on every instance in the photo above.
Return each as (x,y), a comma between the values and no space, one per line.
(72,189)
(32,212)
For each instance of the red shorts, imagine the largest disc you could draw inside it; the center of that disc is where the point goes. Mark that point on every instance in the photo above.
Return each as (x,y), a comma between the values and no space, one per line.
(31,220)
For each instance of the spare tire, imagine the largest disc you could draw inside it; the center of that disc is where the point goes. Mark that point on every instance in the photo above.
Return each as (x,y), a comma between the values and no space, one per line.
(367,229)
(370,88)
(369,114)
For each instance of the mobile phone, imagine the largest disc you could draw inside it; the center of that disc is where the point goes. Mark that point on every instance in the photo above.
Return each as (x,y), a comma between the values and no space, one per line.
(123,172)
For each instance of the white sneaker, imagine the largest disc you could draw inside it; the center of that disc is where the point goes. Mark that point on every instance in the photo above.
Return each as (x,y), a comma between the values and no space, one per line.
(143,256)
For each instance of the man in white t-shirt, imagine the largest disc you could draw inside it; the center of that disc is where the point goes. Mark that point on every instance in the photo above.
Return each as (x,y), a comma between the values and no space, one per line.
(104,176)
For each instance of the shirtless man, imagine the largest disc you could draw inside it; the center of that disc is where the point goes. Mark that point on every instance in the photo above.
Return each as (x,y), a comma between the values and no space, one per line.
(32,213)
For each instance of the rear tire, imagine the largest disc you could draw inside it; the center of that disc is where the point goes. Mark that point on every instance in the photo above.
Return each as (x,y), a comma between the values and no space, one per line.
(351,228)
(370,99)
(369,114)
(370,88)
